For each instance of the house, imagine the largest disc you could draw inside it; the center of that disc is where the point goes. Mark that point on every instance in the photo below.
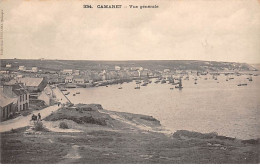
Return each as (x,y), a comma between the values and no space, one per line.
(68,79)
(8,66)
(22,68)
(34,69)
(78,80)
(76,72)
(33,84)
(137,68)
(117,68)
(20,95)
(67,71)
(6,106)
(166,70)
(46,95)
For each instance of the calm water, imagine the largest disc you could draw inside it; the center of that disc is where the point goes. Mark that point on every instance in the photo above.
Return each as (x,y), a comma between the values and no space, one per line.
(209,106)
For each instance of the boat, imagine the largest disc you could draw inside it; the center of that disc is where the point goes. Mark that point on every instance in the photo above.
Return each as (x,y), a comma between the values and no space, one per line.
(180,84)
(138,86)
(243,84)
(163,81)
(144,84)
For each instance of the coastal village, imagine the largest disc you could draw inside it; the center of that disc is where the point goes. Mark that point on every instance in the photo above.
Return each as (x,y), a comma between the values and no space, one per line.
(71,131)
(25,86)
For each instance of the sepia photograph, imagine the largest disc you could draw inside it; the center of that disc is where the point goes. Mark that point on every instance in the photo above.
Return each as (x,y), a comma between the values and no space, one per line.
(130,82)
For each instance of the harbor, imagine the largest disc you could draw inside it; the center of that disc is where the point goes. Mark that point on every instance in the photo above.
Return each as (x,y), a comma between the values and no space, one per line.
(204,101)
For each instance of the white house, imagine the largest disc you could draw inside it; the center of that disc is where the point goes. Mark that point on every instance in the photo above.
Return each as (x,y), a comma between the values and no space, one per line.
(117,68)
(8,65)
(22,68)
(34,69)
(69,79)
(166,70)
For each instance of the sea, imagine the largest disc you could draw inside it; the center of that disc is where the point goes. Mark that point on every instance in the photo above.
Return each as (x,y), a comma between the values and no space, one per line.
(209,106)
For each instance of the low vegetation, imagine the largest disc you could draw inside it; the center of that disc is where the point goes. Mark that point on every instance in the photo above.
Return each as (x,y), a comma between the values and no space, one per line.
(81,114)
(63,125)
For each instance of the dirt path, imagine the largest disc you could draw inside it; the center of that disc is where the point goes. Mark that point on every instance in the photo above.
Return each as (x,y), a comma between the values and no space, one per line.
(136,125)
(23,121)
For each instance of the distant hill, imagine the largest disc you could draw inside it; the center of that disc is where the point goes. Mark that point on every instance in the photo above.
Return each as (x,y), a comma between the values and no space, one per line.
(56,65)
(256,66)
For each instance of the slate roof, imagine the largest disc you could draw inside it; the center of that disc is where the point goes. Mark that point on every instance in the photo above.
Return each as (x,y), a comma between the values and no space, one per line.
(5,100)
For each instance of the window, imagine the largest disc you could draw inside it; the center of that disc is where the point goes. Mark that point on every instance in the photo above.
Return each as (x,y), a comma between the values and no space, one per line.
(26,96)
(20,98)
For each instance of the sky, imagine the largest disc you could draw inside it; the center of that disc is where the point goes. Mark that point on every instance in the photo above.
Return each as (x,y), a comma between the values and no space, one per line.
(212,30)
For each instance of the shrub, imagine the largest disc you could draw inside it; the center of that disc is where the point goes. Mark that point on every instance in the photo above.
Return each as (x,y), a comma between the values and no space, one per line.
(64,125)
(38,126)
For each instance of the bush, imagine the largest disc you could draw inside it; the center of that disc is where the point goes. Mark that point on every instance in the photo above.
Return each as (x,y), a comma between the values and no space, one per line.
(38,126)
(64,125)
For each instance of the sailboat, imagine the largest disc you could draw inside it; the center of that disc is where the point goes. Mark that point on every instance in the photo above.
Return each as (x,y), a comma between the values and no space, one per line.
(138,82)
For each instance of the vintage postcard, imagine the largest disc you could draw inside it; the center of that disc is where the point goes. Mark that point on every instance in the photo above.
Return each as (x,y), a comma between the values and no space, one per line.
(129,81)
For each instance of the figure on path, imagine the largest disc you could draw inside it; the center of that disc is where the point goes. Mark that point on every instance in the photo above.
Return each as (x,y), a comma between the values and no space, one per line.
(39,117)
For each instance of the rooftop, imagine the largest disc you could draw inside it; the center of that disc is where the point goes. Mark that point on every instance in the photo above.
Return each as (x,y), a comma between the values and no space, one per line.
(4,100)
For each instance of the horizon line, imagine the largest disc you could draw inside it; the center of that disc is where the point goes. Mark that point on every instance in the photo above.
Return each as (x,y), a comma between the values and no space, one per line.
(126,60)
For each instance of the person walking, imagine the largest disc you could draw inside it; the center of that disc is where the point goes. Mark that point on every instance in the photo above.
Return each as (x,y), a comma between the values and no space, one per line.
(39,117)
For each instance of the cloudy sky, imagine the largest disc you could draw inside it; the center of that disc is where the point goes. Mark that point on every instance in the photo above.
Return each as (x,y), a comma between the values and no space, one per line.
(215,30)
